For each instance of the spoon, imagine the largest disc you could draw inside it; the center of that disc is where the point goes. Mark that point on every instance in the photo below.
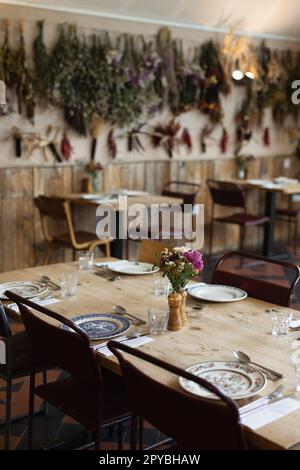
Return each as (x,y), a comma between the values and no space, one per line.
(47,280)
(245,359)
(122,311)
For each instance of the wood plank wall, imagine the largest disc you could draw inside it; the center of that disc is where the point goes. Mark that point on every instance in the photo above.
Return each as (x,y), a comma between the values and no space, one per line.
(21,243)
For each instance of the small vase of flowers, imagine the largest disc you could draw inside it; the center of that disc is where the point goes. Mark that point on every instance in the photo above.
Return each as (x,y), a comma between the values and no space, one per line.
(179,265)
(243,162)
(93,169)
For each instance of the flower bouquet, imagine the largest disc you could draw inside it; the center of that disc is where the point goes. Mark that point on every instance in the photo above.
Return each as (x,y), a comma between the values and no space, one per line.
(179,265)
(242,162)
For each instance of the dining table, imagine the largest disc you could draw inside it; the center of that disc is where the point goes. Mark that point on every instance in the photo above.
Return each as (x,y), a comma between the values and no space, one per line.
(133,197)
(210,334)
(271,189)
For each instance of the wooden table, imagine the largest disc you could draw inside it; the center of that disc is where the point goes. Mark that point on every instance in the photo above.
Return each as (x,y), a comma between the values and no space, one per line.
(222,328)
(117,246)
(270,206)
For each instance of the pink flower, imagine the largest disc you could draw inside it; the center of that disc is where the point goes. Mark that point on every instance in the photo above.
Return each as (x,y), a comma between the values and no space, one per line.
(195,258)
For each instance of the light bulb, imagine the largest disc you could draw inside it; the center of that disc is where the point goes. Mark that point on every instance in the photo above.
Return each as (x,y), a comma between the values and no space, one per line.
(237,75)
(250,75)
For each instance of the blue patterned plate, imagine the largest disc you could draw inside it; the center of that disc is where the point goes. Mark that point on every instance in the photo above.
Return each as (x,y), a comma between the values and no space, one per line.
(102,325)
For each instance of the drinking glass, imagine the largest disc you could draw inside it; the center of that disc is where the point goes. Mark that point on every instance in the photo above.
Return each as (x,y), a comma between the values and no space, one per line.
(280,321)
(161,285)
(86,259)
(158,320)
(297,371)
(68,284)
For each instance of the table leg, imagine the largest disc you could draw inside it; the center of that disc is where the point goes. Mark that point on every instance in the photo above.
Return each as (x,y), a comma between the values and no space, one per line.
(270,210)
(118,244)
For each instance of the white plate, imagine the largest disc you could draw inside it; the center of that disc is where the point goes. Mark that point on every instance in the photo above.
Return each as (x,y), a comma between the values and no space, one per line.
(217,293)
(92,196)
(25,289)
(133,268)
(238,381)
(133,193)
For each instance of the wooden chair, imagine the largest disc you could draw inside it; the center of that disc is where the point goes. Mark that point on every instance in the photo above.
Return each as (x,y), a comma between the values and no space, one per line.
(290,215)
(60,210)
(176,413)
(182,190)
(151,249)
(93,397)
(250,273)
(17,364)
(232,195)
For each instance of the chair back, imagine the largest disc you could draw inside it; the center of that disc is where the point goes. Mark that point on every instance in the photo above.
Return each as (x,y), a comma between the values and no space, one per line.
(62,344)
(251,273)
(176,413)
(5,331)
(226,194)
(56,209)
(150,250)
(182,190)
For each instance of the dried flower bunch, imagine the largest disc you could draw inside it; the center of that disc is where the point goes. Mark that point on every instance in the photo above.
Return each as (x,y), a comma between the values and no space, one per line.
(180,265)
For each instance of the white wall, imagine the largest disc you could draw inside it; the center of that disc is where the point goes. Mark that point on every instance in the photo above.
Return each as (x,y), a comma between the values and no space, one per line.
(194,121)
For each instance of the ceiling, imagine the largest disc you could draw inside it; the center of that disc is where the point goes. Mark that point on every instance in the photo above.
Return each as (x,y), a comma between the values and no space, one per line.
(256,17)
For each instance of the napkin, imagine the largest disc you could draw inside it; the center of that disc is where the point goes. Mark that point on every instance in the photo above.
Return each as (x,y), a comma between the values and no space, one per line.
(258,419)
(38,302)
(133,343)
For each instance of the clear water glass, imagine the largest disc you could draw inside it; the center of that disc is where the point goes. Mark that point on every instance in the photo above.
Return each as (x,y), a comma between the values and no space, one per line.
(280,321)
(161,286)
(68,284)
(297,372)
(158,320)
(86,260)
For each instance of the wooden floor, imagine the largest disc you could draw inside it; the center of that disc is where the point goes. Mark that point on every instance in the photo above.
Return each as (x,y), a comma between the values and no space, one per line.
(56,427)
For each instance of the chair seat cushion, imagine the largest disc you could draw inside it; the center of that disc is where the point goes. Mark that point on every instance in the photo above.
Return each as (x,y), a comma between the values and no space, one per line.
(21,357)
(288,212)
(243,219)
(81,237)
(78,398)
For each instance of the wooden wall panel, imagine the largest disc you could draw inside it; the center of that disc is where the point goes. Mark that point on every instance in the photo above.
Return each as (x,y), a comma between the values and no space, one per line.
(20,230)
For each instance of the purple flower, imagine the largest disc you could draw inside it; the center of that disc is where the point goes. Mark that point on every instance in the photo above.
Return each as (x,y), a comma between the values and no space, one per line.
(195,258)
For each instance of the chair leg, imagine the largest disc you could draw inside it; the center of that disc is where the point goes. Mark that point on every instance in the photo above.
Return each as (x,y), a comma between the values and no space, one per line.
(107,249)
(295,235)
(242,237)
(120,436)
(211,233)
(45,404)
(97,438)
(48,253)
(8,414)
(133,432)
(31,410)
(141,433)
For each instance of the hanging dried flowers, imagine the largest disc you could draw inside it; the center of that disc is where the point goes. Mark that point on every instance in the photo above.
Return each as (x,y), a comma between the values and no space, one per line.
(167,137)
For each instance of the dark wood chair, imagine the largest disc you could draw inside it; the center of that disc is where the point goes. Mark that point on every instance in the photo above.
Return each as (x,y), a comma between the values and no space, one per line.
(54,208)
(250,273)
(17,364)
(176,413)
(290,215)
(93,397)
(182,190)
(232,195)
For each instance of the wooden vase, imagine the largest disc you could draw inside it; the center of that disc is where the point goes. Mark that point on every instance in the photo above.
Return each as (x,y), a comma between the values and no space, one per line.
(182,307)
(86,185)
(175,322)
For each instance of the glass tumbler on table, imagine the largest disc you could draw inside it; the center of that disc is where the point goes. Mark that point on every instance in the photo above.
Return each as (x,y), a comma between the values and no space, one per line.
(161,285)
(280,321)
(86,259)
(68,284)
(158,319)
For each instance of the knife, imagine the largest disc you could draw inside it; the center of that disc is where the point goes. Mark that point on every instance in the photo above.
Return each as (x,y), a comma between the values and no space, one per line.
(260,401)
(260,407)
